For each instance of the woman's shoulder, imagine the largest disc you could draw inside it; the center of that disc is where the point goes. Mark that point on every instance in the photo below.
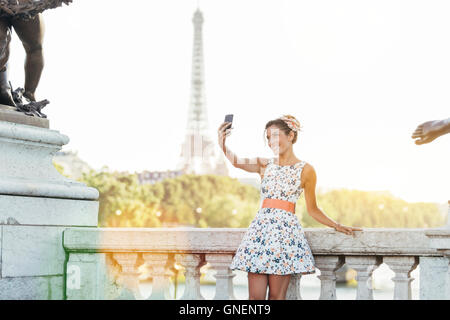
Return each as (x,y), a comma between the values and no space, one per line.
(307,167)
(308,170)
(308,174)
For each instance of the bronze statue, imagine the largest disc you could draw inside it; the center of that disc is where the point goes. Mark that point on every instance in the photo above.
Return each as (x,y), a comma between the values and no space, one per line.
(430,130)
(26,19)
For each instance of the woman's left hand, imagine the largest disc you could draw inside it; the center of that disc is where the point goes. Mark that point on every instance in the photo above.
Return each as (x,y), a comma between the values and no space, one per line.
(347,230)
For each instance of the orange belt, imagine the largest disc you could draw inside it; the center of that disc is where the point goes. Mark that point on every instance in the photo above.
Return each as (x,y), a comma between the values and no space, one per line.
(279,204)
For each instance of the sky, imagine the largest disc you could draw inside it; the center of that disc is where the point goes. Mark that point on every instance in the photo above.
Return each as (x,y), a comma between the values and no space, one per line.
(359,75)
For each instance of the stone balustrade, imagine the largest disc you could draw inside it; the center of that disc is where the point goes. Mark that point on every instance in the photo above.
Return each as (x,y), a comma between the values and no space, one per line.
(104,263)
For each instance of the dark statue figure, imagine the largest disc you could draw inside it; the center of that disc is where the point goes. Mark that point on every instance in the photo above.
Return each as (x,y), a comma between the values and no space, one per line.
(24,16)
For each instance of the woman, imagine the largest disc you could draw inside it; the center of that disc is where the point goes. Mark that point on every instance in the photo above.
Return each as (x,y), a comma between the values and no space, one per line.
(274,246)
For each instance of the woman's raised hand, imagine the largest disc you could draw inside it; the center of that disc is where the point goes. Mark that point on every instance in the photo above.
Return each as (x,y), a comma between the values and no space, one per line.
(223,132)
(430,130)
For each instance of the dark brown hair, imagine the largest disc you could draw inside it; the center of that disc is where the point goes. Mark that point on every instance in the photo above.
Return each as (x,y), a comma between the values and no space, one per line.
(280,124)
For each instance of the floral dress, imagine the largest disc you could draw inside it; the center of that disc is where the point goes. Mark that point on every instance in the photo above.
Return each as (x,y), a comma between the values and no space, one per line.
(275,242)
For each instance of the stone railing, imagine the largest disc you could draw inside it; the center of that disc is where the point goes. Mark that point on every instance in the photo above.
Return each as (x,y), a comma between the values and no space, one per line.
(106,263)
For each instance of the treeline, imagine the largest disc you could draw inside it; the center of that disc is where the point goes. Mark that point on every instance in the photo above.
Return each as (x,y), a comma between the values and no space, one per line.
(224,202)
(373,210)
(188,200)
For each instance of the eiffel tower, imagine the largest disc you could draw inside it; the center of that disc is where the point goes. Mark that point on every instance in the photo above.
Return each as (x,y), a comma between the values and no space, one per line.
(199,154)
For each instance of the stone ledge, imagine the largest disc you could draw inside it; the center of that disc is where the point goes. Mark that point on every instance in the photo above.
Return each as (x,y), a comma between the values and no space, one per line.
(17,210)
(64,189)
(438,232)
(26,158)
(16,131)
(439,238)
(226,240)
(9,114)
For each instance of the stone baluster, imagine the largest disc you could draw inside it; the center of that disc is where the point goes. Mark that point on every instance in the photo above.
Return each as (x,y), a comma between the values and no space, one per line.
(328,266)
(160,274)
(402,266)
(364,265)
(192,264)
(224,276)
(129,275)
(293,291)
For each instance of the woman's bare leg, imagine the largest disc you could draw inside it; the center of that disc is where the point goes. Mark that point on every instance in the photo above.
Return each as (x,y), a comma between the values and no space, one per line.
(257,286)
(278,285)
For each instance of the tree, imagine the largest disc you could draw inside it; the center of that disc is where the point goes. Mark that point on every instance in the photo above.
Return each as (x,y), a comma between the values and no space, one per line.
(122,201)
(217,196)
(372,210)
(227,203)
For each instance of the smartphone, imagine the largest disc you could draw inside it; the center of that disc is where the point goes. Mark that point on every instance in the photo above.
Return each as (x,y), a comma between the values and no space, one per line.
(229,118)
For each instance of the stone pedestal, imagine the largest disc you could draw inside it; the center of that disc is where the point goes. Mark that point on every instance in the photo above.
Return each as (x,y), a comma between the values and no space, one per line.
(433,275)
(36,205)
(440,240)
(9,114)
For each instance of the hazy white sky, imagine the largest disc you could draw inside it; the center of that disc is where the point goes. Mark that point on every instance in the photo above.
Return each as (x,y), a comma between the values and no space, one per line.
(359,75)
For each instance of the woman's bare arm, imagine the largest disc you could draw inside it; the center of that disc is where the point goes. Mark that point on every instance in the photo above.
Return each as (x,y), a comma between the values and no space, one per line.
(248,164)
(309,185)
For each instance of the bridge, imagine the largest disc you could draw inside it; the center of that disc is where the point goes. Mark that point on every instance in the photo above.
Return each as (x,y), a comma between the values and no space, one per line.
(51,247)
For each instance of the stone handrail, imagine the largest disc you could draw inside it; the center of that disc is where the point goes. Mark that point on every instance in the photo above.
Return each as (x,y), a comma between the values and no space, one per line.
(103,262)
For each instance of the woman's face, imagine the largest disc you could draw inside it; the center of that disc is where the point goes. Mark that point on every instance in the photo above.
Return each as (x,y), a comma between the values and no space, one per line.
(278,141)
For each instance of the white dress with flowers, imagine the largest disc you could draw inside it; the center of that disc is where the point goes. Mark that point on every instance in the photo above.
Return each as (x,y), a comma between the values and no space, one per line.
(275,242)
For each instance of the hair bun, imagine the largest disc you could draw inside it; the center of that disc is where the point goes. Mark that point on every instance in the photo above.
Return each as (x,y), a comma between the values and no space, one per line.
(291,122)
